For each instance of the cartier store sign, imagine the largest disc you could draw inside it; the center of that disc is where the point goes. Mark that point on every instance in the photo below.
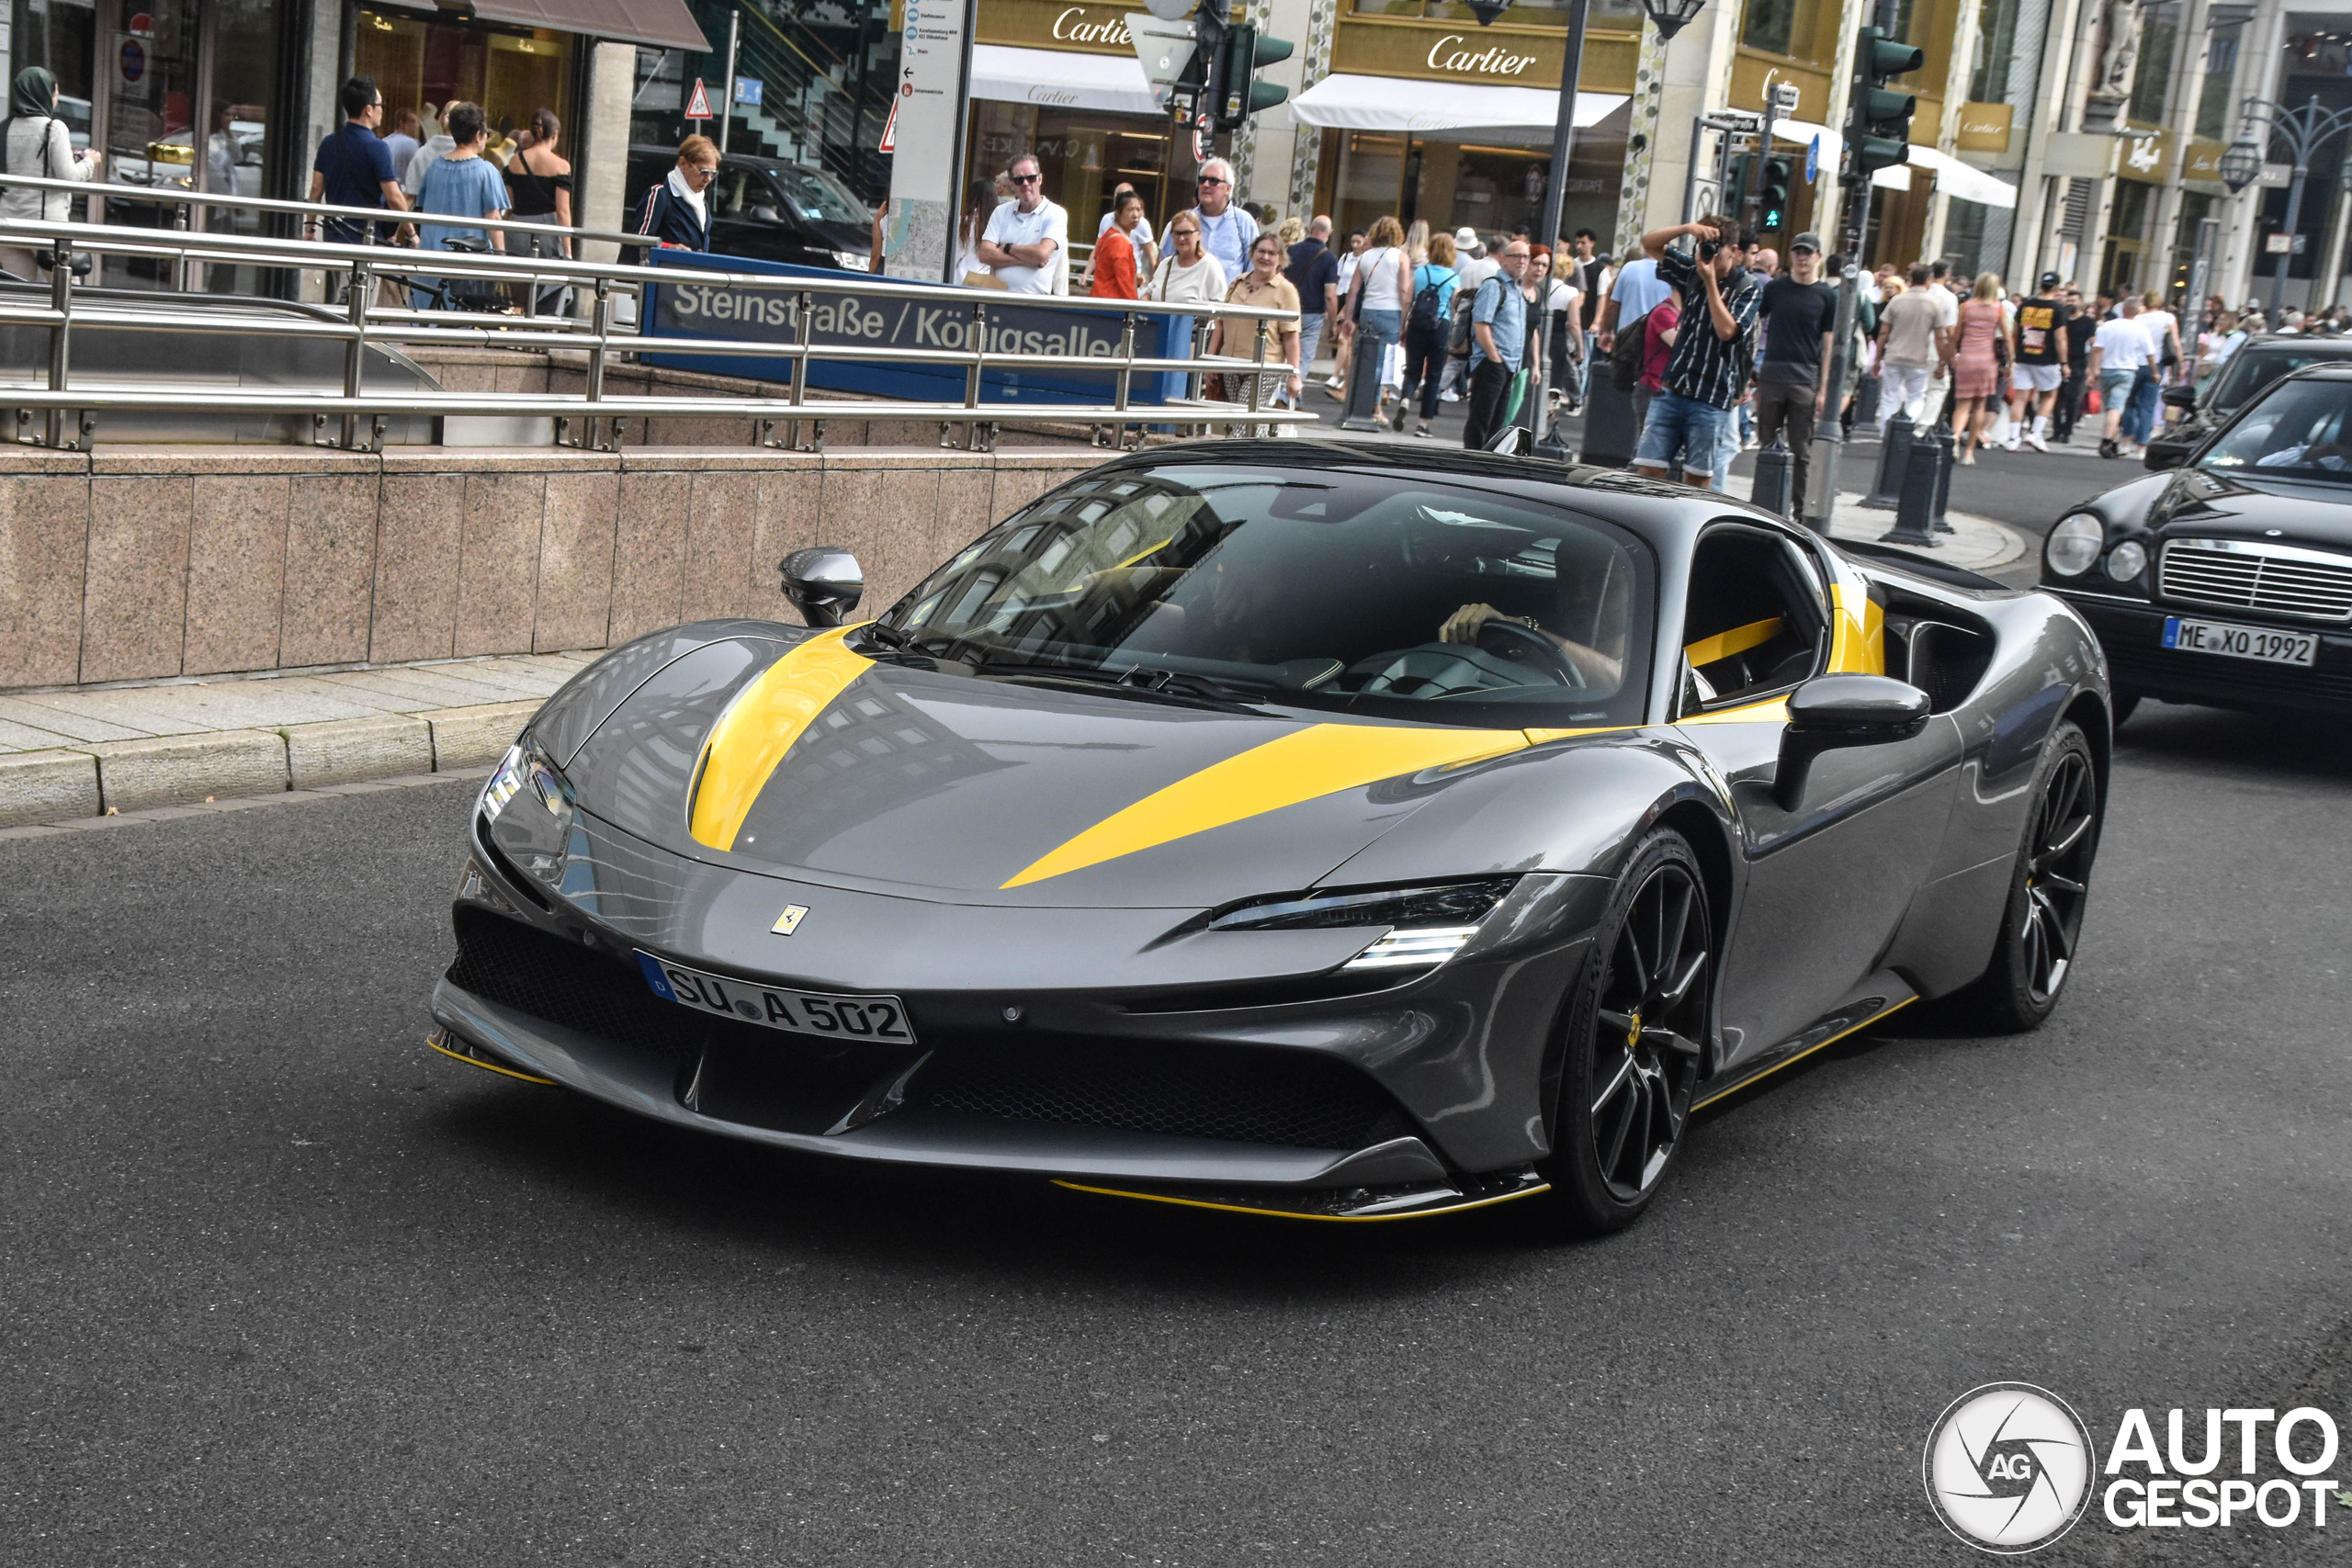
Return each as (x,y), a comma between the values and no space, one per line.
(1041,23)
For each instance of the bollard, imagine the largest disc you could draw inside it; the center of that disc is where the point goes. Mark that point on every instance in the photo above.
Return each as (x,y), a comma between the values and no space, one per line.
(1776,471)
(1893,453)
(1364,385)
(1921,477)
(1947,460)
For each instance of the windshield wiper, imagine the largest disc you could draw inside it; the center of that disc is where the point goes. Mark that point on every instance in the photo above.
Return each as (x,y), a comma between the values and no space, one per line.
(1175,685)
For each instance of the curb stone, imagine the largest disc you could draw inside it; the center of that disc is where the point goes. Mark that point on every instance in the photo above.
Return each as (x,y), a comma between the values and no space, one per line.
(41,787)
(178,769)
(344,750)
(478,737)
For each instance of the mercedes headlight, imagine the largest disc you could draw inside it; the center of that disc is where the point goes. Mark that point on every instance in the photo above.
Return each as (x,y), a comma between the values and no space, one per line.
(2127,561)
(2075,544)
(1426,925)
(530,808)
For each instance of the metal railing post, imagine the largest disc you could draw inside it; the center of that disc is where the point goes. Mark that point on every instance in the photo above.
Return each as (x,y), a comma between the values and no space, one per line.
(804,312)
(1257,376)
(600,323)
(355,353)
(61,336)
(979,344)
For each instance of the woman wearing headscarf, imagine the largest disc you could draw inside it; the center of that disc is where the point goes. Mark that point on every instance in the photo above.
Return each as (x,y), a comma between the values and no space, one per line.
(36,144)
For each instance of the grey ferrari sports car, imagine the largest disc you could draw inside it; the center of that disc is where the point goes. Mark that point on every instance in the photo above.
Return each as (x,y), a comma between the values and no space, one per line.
(1296,827)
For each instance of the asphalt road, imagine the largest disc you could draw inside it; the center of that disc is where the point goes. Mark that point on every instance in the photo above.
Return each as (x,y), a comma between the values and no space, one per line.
(280,1285)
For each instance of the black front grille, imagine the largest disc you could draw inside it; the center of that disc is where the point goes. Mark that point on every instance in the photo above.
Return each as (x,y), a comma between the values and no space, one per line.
(798,1084)
(1192,1090)
(517,966)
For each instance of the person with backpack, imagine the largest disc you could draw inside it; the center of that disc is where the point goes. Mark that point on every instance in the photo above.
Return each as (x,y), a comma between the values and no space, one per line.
(1632,294)
(36,144)
(1429,331)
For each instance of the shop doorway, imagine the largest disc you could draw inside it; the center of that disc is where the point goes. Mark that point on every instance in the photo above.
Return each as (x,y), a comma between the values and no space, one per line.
(173,93)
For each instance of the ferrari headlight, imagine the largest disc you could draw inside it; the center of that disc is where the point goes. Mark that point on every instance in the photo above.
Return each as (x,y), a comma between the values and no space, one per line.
(2127,561)
(2075,544)
(530,807)
(1426,925)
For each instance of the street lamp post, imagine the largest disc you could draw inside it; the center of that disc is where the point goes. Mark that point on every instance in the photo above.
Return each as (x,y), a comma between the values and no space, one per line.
(1670,17)
(2303,130)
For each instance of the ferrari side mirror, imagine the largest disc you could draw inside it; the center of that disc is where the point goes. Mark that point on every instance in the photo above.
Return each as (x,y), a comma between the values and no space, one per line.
(1833,711)
(824,583)
(2162,458)
(2180,396)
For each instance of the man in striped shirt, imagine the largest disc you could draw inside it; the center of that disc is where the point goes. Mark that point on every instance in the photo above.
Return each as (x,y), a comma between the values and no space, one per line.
(1711,358)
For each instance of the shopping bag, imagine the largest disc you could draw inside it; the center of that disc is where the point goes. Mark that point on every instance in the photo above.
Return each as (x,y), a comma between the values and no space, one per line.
(2091,402)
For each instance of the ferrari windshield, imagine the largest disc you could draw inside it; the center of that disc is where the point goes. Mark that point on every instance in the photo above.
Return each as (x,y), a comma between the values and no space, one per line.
(2295,430)
(1373,592)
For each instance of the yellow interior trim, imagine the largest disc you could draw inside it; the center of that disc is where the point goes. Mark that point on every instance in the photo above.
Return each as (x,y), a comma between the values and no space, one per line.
(766,716)
(1739,639)
(1290,1214)
(1321,760)
(486,1066)
(1878,1017)
(1773,712)
(1857,633)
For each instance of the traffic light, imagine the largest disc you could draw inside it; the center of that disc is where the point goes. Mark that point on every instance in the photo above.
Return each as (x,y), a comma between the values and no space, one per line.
(1239,93)
(1878,120)
(1773,210)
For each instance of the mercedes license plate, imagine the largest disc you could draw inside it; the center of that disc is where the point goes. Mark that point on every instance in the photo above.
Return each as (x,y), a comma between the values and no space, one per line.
(2241,642)
(770,1007)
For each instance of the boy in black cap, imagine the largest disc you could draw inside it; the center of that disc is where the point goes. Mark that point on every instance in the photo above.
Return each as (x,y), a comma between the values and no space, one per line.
(1800,316)
(2041,362)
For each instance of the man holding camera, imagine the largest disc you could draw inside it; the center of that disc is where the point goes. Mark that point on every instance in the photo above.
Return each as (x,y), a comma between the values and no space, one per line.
(1711,361)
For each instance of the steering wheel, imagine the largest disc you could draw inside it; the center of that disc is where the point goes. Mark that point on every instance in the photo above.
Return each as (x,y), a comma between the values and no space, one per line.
(1524,645)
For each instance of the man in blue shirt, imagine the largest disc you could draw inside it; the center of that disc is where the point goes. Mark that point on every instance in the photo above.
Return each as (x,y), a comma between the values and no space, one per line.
(353,167)
(1227,232)
(1314,271)
(1497,340)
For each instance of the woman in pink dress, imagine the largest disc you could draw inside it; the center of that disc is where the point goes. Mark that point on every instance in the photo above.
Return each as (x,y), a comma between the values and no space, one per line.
(1975,367)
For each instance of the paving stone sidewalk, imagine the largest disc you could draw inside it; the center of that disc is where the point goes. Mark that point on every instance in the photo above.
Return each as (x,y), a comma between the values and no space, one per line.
(82,751)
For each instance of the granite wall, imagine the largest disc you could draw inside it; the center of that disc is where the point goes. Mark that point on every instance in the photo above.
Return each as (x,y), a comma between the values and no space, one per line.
(132,563)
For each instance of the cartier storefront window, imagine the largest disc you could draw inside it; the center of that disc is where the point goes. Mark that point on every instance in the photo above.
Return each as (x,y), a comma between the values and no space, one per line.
(1084,154)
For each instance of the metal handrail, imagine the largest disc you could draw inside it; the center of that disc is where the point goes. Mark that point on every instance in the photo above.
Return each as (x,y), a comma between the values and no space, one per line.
(599,338)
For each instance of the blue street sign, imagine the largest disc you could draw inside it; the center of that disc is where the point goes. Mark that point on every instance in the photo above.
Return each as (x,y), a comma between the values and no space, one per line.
(1813,160)
(747,90)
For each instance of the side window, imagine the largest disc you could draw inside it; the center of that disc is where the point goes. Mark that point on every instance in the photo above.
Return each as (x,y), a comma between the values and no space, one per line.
(733,189)
(1755,625)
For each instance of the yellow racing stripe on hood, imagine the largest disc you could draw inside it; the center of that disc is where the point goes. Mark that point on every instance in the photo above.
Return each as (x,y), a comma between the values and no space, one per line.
(759,725)
(1321,760)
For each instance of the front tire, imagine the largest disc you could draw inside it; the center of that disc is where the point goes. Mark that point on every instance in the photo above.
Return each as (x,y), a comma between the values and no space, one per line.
(2048,890)
(1636,1023)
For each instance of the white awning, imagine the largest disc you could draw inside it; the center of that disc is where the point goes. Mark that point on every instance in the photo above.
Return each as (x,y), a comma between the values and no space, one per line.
(1460,109)
(1965,182)
(1111,84)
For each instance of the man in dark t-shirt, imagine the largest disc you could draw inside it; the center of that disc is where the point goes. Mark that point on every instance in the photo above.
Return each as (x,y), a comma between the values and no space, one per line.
(1800,317)
(353,167)
(2041,362)
(2081,326)
(1314,271)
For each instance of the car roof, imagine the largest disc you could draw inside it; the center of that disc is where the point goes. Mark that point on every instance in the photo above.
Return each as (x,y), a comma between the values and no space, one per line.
(2301,343)
(1659,510)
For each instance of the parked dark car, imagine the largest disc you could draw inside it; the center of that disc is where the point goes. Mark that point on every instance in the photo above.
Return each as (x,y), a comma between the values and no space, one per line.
(2228,580)
(769,210)
(2258,363)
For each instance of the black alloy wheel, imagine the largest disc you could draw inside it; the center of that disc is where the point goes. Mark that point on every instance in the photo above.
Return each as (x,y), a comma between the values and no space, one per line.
(2048,890)
(1637,1024)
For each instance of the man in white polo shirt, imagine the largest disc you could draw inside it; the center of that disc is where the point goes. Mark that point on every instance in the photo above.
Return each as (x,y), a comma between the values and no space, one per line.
(1027,243)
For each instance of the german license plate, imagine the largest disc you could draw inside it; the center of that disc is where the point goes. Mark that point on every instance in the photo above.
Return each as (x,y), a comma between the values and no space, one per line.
(795,1012)
(2241,642)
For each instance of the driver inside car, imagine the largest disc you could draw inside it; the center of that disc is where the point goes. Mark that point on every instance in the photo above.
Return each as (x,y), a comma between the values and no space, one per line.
(1599,670)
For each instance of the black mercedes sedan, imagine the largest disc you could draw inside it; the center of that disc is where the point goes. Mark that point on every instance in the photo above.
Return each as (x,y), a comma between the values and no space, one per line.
(2260,362)
(2228,580)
